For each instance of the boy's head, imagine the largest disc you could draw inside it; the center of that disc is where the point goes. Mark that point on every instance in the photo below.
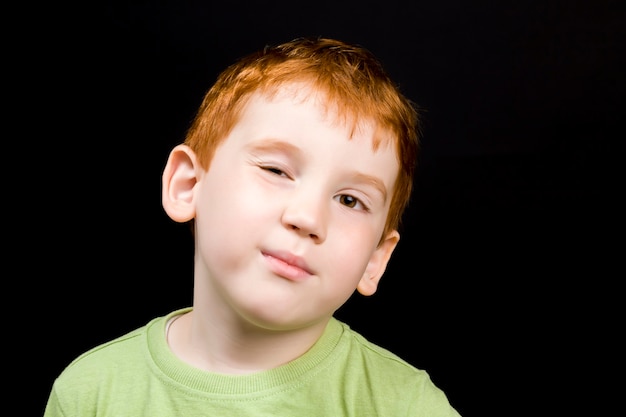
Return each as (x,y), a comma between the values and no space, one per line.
(352,82)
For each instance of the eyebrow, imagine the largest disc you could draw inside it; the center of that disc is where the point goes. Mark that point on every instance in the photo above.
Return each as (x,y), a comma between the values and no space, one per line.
(373,181)
(276,145)
(273,145)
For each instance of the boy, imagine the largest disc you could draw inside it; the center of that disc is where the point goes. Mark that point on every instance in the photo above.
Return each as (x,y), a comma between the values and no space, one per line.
(294,173)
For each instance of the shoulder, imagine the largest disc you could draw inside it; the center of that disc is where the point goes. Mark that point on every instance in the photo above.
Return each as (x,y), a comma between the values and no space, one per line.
(120,355)
(125,357)
(378,373)
(116,370)
(76,391)
(371,355)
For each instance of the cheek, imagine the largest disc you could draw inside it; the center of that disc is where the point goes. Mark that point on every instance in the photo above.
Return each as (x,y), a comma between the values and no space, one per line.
(231,210)
(349,259)
(223,232)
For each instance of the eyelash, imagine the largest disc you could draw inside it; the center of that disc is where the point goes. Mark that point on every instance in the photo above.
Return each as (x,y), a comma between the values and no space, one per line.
(274,170)
(357,201)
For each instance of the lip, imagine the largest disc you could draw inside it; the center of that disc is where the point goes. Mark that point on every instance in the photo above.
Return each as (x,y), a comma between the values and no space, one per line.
(287,265)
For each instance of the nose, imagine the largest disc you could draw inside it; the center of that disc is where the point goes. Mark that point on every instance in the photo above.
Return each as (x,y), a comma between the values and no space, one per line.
(306,214)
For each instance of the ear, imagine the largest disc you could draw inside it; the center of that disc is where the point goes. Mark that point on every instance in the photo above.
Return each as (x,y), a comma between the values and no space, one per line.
(179,180)
(377,264)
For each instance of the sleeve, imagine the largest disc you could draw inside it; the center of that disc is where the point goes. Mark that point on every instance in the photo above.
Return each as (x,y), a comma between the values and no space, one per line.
(53,407)
(431,402)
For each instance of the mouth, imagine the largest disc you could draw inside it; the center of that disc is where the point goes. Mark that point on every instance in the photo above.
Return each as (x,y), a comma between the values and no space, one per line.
(287,265)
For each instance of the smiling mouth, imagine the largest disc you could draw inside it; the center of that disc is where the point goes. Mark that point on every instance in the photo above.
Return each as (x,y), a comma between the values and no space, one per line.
(293,270)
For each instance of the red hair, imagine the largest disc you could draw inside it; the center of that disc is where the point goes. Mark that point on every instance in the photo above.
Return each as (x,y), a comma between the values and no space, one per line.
(349,77)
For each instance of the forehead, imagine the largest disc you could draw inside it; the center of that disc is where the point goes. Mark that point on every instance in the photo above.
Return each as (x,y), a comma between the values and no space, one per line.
(336,112)
(306,125)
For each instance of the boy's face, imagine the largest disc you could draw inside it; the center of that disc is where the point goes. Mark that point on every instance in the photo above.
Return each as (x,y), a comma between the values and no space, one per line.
(289,215)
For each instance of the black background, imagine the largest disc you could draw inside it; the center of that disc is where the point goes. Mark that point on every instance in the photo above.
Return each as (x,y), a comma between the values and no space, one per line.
(504,285)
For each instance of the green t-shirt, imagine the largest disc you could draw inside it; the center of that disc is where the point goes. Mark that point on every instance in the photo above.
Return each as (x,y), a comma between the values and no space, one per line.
(341,375)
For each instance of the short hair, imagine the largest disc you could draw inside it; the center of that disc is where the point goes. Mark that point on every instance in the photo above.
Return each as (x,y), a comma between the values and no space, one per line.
(350,78)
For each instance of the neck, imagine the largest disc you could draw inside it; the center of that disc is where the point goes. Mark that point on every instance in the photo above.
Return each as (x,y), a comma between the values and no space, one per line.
(236,347)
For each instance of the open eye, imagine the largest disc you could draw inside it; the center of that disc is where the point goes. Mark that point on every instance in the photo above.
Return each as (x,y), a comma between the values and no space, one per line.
(352,202)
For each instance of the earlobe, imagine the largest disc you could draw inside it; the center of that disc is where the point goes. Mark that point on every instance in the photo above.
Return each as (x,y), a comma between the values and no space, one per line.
(178,184)
(377,264)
